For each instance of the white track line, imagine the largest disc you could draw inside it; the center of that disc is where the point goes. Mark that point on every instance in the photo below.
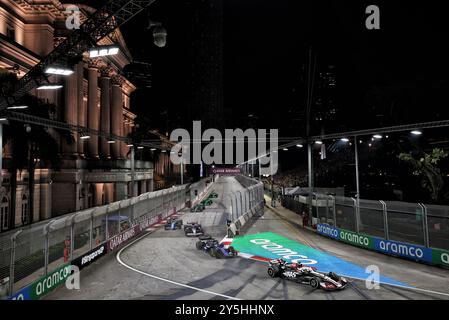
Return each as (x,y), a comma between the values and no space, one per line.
(165,280)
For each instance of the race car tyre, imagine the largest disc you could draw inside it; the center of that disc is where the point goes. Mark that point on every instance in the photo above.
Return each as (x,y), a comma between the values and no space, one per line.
(205,237)
(199,245)
(212,252)
(315,283)
(167,228)
(272,272)
(218,254)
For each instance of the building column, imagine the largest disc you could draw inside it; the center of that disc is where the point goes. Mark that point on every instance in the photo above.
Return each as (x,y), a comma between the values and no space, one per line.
(117,119)
(70,111)
(93,114)
(105,117)
(82,105)
(120,191)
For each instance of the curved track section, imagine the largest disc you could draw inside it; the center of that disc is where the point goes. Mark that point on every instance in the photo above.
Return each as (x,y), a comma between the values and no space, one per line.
(166,265)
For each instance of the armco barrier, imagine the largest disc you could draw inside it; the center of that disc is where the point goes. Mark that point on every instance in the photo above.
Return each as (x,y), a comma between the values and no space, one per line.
(52,280)
(405,250)
(44,285)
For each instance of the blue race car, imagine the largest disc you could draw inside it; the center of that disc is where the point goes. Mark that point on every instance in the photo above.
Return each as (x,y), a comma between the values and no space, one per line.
(216,249)
(173,224)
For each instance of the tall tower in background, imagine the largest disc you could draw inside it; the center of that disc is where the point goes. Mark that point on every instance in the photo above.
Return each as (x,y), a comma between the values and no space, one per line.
(207,62)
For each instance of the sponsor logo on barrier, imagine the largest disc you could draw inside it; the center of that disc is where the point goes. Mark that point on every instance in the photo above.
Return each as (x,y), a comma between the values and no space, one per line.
(280,250)
(122,237)
(89,257)
(47,283)
(440,257)
(403,249)
(23,294)
(356,239)
(327,230)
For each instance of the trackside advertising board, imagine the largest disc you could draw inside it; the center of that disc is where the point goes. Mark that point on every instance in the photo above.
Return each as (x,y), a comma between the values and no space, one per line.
(406,250)
(273,246)
(44,285)
(89,257)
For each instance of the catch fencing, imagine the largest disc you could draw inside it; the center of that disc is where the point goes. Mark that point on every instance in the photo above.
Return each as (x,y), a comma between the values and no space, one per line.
(415,223)
(244,204)
(30,253)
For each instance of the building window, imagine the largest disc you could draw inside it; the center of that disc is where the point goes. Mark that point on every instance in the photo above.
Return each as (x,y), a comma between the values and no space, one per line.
(4,214)
(11,32)
(24,209)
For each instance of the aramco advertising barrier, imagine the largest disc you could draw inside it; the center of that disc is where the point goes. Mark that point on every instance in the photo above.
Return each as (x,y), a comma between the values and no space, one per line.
(401,249)
(52,280)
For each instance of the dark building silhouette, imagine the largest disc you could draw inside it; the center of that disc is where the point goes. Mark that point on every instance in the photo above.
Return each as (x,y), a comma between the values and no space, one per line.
(207,62)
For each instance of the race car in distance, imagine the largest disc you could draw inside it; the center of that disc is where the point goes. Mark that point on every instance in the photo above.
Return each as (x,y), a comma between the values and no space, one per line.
(206,202)
(306,275)
(215,249)
(213,194)
(193,229)
(197,208)
(173,224)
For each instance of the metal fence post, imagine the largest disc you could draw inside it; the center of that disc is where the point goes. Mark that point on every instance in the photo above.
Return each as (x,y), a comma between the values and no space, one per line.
(106,229)
(356,214)
(425,225)
(72,235)
(385,216)
(334,213)
(12,262)
(91,228)
(46,246)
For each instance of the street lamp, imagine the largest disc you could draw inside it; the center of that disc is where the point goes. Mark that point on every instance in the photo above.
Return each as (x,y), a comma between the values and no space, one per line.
(103,51)
(17,107)
(49,86)
(61,71)
(344,139)
(159,33)
(319,142)
(377,136)
(416,132)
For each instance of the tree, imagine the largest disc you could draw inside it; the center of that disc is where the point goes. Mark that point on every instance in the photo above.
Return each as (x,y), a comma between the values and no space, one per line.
(31,145)
(426,166)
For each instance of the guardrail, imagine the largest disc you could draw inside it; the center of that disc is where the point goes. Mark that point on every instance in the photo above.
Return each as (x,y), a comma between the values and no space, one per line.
(46,249)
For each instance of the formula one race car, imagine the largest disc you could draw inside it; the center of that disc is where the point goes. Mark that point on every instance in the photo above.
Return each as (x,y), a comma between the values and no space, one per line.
(306,275)
(173,224)
(198,208)
(206,202)
(216,249)
(193,229)
(213,194)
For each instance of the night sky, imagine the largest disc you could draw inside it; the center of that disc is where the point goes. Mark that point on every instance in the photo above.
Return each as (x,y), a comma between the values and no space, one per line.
(387,76)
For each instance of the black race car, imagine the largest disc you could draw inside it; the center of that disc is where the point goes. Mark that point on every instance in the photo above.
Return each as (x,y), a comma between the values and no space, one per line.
(197,208)
(215,249)
(173,224)
(306,275)
(193,229)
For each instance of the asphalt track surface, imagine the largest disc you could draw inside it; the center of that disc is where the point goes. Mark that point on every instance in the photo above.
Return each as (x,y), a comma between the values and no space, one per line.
(166,265)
